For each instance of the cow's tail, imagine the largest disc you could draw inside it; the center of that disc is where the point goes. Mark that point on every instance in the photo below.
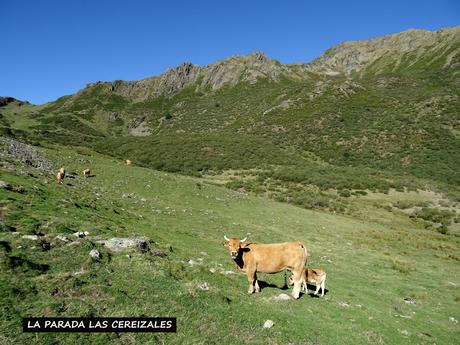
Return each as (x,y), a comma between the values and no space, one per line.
(302,245)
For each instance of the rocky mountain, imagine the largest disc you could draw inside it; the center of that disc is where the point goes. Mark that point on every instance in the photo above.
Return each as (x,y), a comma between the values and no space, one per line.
(391,51)
(401,50)
(390,104)
(228,72)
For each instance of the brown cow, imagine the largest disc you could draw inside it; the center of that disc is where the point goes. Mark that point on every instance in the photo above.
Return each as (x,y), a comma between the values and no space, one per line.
(60,175)
(313,275)
(268,258)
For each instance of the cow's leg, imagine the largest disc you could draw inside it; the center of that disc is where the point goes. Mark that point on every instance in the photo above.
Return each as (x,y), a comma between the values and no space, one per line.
(251,272)
(256,283)
(297,275)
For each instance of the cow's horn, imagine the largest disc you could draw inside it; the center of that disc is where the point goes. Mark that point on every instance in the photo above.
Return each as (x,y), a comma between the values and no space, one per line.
(226,238)
(244,239)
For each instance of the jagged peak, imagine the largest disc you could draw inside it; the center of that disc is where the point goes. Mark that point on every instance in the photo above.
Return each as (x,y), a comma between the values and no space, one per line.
(259,56)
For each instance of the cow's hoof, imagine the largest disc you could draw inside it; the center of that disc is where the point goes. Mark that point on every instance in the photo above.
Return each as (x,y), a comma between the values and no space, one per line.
(295,296)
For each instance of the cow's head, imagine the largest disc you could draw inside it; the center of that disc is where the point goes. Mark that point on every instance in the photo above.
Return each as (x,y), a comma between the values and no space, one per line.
(234,245)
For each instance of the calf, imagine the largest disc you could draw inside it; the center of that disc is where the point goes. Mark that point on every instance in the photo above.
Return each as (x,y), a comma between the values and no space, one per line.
(86,172)
(313,275)
(128,162)
(268,258)
(60,175)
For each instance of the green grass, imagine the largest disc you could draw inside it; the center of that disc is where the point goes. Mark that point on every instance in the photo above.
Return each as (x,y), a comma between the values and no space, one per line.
(373,262)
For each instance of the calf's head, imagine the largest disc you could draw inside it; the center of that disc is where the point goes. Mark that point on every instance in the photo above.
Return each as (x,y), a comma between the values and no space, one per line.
(234,245)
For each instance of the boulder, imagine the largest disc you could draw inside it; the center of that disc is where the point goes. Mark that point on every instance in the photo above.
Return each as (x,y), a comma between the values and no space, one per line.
(95,254)
(118,244)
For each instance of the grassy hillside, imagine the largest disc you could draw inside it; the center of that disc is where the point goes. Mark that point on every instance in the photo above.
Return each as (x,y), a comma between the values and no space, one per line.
(390,280)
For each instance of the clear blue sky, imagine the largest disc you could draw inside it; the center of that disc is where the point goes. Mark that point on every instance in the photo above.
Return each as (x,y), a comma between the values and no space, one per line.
(52,48)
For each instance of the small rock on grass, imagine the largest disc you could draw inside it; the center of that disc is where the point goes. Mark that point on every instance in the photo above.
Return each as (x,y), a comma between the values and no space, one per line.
(204,286)
(404,332)
(30,237)
(268,324)
(117,244)
(81,234)
(283,297)
(62,238)
(95,254)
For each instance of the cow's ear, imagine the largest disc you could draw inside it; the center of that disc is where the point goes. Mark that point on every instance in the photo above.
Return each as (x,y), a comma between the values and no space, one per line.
(225,244)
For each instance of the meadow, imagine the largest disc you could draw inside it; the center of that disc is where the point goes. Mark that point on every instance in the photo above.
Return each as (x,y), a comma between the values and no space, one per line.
(391,279)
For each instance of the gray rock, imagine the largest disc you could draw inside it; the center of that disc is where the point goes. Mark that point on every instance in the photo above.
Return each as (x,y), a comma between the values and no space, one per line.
(192,262)
(228,272)
(24,153)
(95,254)
(283,297)
(62,238)
(117,244)
(81,234)
(269,324)
(30,237)
(404,332)
(6,185)
(204,286)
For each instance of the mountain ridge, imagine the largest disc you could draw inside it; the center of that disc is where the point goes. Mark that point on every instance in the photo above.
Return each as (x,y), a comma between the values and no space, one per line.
(341,59)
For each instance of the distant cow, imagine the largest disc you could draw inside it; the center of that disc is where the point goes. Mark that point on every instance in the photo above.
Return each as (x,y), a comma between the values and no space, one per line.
(268,258)
(128,162)
(313,275)
(60,175)
(86,172)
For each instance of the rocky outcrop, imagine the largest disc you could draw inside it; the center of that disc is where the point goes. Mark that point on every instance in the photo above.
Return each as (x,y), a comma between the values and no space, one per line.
(228,72)
(394,50)
(354,56)
(15,150)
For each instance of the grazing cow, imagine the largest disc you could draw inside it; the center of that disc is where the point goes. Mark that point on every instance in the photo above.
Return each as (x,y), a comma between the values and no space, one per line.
(86,172)
(128,162)
(60,175)
(313,275)
(268,258)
